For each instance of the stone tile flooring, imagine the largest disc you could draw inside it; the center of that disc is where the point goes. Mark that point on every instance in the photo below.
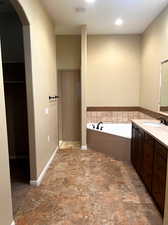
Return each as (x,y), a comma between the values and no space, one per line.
(19,191)
(87,188)
(70,145)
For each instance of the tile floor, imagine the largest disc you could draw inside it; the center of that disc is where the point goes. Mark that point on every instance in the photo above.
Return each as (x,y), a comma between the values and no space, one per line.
(70,145)
(87,188)
(19,191)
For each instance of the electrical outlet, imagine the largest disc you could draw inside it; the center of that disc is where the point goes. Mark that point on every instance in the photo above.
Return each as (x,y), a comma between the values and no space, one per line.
(46,111)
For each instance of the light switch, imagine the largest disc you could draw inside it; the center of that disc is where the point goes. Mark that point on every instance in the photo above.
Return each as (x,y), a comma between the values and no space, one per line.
(48,138)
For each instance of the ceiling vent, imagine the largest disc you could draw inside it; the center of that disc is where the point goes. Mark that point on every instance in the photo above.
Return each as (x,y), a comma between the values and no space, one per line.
(80,10)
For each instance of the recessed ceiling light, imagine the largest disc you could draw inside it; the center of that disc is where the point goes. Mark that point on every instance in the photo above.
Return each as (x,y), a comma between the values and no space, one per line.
(90,1)
(119,22)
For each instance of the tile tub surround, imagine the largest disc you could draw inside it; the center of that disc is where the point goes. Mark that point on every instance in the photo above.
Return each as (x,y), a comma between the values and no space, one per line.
(88,188)
(115,116)
(159,133)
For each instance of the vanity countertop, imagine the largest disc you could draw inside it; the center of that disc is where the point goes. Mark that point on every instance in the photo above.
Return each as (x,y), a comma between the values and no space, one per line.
(160,133)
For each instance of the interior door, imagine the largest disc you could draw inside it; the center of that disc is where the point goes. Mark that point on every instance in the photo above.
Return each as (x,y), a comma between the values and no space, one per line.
(71,105)
(59,82)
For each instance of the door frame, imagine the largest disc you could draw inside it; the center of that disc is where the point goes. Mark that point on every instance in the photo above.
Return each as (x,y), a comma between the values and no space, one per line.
(59,72)
(59,110)
(29,86)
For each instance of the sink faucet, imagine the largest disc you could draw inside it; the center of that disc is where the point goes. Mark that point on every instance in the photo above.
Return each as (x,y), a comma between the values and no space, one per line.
(163,121)
(98,125)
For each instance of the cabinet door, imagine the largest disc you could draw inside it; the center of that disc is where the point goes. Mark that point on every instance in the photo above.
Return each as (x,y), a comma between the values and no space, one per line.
(140,151)
(159,176)
(147,165)
(133,146)
(137,148)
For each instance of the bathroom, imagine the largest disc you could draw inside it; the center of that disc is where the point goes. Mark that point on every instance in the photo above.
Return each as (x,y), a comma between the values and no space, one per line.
(96,84)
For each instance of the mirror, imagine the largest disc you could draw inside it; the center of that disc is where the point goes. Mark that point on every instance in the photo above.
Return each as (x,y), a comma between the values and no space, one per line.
(164,88)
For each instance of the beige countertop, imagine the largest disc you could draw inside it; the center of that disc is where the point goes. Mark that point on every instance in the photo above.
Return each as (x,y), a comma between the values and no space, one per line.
(159,133)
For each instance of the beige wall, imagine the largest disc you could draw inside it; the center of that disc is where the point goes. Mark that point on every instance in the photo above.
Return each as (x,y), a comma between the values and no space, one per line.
(154,50)
(68,51)
(43,55)
(84,71)
(5,191)
(44,79)
(113,70)
(164,85)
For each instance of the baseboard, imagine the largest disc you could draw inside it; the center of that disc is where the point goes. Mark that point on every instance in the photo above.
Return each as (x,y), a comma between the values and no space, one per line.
(40,178)
(84,147)
(13,223)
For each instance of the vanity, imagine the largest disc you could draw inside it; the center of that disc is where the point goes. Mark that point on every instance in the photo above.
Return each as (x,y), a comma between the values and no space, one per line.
(149,150)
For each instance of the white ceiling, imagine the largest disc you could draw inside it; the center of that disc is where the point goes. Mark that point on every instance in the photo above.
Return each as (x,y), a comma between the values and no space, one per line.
(100,16)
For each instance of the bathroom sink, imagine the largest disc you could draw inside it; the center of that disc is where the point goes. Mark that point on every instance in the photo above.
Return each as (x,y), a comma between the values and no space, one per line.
(152,124)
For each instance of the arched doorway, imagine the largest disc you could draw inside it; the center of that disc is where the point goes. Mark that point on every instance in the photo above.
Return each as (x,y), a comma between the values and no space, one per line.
(29,86)
(17,74)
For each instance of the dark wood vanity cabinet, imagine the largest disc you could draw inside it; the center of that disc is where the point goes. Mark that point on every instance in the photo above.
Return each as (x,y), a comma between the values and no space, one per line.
(136,153)
(149,158)
(147,162)
(159,175)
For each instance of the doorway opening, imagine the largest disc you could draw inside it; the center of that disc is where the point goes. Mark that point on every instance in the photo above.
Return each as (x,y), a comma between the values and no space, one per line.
(69,108)
(15,90)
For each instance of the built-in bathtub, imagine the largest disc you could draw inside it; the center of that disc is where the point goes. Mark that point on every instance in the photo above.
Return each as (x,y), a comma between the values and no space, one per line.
(114,139)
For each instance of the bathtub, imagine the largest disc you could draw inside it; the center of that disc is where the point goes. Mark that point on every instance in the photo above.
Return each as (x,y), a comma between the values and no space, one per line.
(114,139)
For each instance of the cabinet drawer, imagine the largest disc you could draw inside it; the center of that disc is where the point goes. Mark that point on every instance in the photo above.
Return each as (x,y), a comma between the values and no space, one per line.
(134,126)
(138,129)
